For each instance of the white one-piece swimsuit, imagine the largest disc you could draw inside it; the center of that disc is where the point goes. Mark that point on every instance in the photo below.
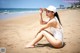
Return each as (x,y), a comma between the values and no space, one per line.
(56,32)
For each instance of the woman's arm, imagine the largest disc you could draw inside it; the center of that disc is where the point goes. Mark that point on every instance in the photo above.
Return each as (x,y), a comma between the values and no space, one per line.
(49,24)
(41,19)
(43,28)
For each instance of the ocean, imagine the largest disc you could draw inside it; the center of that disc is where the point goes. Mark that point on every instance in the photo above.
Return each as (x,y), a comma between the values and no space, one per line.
(12,12)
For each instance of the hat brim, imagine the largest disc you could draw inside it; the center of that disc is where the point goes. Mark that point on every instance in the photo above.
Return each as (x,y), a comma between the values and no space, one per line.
(45,9)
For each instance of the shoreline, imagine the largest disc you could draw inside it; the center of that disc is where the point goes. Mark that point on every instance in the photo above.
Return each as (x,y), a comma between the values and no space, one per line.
(10,15)
(4,16)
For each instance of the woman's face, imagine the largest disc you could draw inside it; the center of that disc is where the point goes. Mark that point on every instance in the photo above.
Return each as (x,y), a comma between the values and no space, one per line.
(49,13)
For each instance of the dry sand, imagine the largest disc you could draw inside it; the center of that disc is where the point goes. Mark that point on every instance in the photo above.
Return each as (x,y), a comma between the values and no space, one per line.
(16,33)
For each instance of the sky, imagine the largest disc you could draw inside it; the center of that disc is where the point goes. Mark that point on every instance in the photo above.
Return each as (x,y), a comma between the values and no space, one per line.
(31,3)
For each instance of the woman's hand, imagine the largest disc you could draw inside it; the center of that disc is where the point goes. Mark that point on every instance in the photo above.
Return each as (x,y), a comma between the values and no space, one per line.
(41,10)
(40,30)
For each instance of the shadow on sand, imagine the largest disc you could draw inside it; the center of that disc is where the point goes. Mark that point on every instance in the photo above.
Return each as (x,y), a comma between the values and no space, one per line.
(48,45)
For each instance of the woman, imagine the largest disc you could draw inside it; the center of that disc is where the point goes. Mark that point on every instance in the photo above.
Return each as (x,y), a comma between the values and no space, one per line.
(52,30)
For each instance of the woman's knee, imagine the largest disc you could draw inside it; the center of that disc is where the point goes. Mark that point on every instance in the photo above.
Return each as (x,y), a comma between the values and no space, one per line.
(44,32)
(41,33)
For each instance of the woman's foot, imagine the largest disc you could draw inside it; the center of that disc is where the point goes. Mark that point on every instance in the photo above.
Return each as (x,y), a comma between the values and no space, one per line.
(29,46)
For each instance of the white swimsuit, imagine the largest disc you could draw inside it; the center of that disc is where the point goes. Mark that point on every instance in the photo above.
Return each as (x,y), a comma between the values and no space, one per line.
(57,32)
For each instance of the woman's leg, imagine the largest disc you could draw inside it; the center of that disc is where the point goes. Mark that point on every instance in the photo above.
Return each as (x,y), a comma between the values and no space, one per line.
(35,40)
(54,42)
(50,38)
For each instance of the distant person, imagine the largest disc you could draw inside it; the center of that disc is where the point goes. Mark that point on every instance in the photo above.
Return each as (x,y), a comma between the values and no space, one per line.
(54,35)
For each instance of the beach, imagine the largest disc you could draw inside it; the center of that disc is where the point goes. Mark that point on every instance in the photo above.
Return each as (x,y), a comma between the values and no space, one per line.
(16,32)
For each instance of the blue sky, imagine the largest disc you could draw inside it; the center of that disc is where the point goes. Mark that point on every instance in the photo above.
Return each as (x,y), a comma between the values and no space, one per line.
(31,3)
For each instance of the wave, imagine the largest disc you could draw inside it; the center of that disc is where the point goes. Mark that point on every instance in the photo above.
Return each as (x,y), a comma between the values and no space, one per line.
(13,10)
(6,13)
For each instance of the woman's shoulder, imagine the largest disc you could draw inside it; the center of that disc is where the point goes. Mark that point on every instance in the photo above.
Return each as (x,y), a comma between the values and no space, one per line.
(53,20)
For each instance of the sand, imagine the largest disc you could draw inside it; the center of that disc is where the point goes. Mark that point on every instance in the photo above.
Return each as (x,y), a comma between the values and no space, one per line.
(16,33)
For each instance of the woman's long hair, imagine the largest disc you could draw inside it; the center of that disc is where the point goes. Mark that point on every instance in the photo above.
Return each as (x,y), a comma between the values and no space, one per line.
(56,14)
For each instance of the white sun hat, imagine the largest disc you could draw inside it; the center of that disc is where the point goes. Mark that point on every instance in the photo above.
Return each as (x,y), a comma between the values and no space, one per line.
(52,8)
